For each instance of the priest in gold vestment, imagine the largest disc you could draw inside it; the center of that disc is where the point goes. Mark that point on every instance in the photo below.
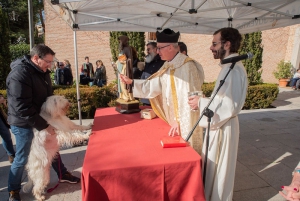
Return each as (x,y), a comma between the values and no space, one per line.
(168,88)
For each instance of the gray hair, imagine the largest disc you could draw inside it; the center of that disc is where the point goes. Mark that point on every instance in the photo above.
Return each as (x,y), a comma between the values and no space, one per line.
(175,45)
(41,50)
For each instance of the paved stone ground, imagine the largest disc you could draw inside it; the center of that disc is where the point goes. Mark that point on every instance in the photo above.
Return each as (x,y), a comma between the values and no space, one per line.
(268,153)
(268,148)
(72,159)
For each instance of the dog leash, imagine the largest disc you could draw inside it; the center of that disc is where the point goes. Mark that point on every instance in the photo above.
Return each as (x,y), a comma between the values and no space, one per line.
(52,189)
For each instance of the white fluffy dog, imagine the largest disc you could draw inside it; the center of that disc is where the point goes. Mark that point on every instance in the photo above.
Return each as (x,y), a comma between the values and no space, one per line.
(45,146)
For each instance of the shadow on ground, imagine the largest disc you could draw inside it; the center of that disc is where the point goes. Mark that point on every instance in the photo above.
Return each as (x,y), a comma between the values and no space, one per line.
(268,153)
(285,98)
(72,159)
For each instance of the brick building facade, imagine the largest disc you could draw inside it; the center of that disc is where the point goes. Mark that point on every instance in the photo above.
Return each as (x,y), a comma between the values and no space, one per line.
(278,44)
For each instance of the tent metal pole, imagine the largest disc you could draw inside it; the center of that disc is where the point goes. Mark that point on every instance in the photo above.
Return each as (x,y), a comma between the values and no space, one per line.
(77,77)
(31,25)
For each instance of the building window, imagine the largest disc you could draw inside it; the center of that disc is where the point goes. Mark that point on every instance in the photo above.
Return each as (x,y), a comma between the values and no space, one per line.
(151,36)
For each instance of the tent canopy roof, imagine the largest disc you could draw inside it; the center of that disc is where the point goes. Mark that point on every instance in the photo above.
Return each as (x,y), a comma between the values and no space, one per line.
(186,16)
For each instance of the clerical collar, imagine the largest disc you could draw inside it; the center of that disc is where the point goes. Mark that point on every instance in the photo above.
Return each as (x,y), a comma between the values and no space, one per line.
(173,57)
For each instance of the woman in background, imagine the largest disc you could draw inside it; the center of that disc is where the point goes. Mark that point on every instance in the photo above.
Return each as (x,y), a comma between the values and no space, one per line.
(68,66)
(100,74)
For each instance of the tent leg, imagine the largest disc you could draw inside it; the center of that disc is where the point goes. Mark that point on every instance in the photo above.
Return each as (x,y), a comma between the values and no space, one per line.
(31,25)
(77,78)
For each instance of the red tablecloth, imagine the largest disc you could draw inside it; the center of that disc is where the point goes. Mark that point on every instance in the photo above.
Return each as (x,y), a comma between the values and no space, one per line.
(125,161)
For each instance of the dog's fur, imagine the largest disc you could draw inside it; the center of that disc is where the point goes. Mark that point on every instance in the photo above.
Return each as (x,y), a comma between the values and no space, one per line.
(45,146)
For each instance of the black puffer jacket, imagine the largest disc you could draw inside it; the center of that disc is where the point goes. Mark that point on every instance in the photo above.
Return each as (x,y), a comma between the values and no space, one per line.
(27,89)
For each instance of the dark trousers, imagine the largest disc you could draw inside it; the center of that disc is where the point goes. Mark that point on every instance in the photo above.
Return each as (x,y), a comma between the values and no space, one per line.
(58,166)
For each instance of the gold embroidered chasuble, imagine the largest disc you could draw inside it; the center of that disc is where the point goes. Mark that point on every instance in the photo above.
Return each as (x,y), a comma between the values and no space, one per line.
(168,90)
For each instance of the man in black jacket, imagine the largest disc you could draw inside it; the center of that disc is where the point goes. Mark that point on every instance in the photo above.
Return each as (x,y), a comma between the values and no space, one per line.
(153,63)
(28,86)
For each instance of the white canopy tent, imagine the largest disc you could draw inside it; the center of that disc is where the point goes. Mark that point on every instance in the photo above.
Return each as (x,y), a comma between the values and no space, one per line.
(186,16)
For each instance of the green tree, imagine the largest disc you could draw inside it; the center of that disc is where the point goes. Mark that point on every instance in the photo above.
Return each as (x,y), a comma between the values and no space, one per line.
(19,50)
(252,43)
(19,25)
(136,40)
(5,57)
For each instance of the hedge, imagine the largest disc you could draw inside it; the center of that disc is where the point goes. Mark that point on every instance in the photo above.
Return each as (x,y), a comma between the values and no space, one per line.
(19,50)
(91,98)
(261,96)
(258,96)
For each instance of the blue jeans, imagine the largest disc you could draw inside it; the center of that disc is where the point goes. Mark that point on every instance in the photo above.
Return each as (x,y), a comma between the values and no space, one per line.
(24,138)
(6,139)
(293,82)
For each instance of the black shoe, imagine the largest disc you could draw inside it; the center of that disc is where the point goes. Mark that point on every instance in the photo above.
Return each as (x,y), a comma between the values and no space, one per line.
(14,196)
(68,177)
(11,158)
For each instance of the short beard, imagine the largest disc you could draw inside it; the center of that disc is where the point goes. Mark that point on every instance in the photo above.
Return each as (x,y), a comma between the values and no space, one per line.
(149,58)
(220,54)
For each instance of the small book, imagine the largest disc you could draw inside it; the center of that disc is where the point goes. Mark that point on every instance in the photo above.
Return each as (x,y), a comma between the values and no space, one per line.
(169,142)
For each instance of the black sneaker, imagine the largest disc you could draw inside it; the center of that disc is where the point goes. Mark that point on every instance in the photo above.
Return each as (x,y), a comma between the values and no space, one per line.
(68,177)
(11,158)
(14,196)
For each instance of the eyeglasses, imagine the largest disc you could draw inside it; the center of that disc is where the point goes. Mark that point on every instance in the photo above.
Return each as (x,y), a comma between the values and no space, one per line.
(159,48)
(214,44)
(48,62)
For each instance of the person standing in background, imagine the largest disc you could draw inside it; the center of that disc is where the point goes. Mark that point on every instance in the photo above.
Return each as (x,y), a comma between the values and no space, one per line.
(153,63)
(88,66)
(68,66)
(5,133)
(63,75)
(100,74)
(182,48)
